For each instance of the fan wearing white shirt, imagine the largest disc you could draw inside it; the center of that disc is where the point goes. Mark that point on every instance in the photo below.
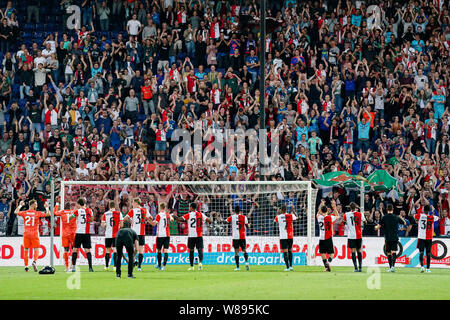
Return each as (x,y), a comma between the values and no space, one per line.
(134,26)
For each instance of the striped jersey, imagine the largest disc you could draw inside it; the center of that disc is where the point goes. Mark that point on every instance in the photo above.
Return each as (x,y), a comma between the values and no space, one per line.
(325,226)
(425,225)
(163,229)
(285,225)
(138,216)
(83,220)
(354,220)
(238,222)
(112,219)
(195,222)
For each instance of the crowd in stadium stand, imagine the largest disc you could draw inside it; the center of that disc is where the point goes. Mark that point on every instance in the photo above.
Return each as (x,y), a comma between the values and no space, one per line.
(348,88)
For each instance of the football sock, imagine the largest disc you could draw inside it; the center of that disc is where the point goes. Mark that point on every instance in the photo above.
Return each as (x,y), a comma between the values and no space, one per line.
(286,259)
(421,258)
(290,258)
(25,258)
(66,258)
(246,256)
(158,257)
(140,259)
(114,257)
(200,255)
(394,257)
(74,258)
(236,258)
(428,260)
(360,259)
(36,255)
(166,257)
(354,259)
(89,258)
(324,262)
(191,258)
(390,260)
(330,259)
(107,260)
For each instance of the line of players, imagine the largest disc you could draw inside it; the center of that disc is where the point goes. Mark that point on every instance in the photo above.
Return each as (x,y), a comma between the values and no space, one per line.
(76,226)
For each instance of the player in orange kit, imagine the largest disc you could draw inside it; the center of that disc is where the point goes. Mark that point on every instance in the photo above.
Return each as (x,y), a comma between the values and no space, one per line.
(69,228)
(31,229)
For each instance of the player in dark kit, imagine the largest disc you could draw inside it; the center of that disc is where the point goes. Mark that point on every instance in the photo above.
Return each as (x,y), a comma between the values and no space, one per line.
(127,238)
(389,223)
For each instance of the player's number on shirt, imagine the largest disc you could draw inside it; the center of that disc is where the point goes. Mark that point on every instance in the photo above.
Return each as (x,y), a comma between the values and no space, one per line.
(165,222)
(28,221)
(83,218)
(240,225)
(283,219)
(111,222)
(198,220)
(426,225)
(327,226)
(138,218)
(354,220)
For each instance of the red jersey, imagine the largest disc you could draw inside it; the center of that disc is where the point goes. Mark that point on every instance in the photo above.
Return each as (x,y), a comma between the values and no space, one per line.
(112,219)
(354,221)
(238,222)
(84,216)
(195,222)
(138,216)
(285,225)
(425,225)
(69,227)
(325,226)
(163,219)
(31,220)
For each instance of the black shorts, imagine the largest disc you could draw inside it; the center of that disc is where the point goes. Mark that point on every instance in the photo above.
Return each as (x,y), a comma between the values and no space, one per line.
(141,240)
(83,240)
(239,243)
(110,242)
(326,246)
(162,242)
(195,242)
(424,244)
(391,246)
(355,243)
(286,243)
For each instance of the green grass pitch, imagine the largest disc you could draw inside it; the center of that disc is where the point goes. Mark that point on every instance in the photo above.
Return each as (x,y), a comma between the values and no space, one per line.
(222,283)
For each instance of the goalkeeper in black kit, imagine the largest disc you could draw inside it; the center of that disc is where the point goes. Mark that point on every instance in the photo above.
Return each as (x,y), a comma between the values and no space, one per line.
(127,238)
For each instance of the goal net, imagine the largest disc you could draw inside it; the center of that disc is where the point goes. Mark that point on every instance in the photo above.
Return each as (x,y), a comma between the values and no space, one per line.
(259,201)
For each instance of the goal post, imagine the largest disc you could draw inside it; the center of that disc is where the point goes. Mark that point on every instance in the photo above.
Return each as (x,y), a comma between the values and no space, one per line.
(258,200)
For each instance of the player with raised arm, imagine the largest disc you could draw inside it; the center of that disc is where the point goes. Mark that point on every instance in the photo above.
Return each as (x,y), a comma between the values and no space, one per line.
(31,229)
(353,220)
(390,222)
(195,220)
(162,219)
(326,220)
(138,215)
(286,229)
(84,218)
(238,223)
(112,221)
(69,228)
(425,222)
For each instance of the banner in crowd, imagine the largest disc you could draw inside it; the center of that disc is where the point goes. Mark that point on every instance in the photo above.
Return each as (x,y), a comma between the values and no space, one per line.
(219,251)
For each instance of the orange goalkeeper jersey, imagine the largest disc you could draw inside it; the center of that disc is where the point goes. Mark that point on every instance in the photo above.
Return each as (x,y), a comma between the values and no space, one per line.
(31,222)
(68,226)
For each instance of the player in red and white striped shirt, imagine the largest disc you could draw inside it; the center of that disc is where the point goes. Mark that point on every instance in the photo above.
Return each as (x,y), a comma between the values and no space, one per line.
(84,218)
(195,220)
(238,222)
(138,215)
(354,219)
(425,223)
(112,221)
(162,219)
(326,221)
(286,228)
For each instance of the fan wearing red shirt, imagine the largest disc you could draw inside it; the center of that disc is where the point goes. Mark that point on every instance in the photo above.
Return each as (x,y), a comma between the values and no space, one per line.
(195,220)
(31,219)
(238,223)
(112,221)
